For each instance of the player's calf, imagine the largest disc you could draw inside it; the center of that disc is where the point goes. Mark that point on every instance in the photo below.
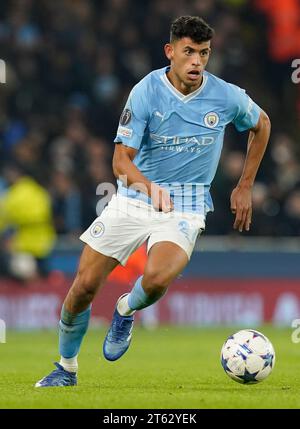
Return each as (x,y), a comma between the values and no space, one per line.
(155,285)
(83,290)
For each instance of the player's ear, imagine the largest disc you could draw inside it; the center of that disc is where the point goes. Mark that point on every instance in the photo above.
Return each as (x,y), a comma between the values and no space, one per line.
(168,50)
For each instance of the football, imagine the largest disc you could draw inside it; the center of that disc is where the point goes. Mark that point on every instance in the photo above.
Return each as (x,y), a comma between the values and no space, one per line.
(248,356)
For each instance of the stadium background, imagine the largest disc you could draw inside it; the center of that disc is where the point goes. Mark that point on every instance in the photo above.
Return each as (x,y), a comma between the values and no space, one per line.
(70,66)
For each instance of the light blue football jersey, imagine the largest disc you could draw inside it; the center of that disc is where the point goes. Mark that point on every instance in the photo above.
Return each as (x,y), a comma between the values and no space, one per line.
(179,137)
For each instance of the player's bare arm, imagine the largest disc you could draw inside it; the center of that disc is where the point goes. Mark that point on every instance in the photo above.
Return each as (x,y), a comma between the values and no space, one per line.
(124,168)
(241,197)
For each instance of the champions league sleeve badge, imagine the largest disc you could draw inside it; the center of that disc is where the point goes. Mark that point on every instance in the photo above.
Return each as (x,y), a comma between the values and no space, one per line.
(125,117)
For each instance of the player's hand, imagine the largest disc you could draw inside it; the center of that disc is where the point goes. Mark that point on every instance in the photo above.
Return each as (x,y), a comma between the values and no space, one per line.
(161,199)
(241,206)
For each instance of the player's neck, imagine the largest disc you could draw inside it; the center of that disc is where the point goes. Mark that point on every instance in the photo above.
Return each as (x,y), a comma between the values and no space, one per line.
(180,86)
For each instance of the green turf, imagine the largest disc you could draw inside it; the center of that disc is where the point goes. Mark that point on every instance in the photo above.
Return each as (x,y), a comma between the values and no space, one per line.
(165,368)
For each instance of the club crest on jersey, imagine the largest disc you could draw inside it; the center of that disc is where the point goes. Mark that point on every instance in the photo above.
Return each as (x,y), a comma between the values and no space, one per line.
(211,119)
(97,229)
(125,117)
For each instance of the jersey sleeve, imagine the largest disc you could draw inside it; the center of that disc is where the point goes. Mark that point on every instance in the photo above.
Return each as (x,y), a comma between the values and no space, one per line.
(245,111)
(134,118)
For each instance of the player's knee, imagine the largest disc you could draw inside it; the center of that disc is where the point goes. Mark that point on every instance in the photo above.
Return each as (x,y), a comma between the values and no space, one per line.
(155,283)
(88,283)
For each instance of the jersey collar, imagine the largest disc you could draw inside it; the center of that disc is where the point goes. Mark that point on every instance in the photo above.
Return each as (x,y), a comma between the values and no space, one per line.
(178,94)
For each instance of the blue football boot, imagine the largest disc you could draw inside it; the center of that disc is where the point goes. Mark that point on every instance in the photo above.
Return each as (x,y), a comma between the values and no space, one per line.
(118,337)
(58,377)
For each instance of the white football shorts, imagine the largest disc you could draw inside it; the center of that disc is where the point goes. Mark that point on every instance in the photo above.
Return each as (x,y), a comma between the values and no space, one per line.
(126,223)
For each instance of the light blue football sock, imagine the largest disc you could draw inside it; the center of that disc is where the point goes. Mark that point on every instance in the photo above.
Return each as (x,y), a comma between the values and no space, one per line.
(72,328)
(138,299)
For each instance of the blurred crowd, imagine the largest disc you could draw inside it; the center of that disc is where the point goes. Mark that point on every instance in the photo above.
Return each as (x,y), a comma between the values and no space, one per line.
(70,67)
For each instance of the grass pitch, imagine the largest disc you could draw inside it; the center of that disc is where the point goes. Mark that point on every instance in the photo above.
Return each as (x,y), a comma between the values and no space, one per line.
(165,368)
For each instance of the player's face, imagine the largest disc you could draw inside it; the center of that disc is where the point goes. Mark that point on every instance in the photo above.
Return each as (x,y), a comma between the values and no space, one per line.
(188,60)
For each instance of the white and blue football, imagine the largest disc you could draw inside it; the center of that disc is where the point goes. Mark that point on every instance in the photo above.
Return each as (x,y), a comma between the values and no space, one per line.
(248,356)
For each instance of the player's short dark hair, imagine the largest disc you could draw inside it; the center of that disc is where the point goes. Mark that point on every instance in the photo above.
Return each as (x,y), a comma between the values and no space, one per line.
(193,27)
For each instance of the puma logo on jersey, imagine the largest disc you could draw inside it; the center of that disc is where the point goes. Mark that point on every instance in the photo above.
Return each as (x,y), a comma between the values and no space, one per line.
(157,113)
